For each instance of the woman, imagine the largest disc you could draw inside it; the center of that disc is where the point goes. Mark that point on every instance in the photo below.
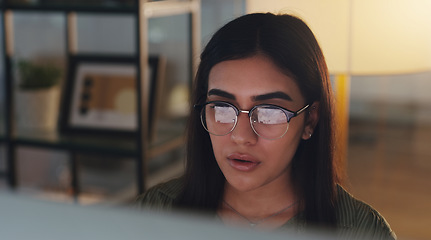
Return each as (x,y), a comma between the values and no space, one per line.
(260,150)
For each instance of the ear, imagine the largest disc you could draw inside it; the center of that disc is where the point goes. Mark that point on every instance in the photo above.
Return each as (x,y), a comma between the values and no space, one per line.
(311,120)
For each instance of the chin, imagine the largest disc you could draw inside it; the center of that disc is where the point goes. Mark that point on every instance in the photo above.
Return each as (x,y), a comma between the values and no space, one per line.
(243,185)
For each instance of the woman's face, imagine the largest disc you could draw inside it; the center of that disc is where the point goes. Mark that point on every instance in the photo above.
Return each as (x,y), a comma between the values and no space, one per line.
(248,161)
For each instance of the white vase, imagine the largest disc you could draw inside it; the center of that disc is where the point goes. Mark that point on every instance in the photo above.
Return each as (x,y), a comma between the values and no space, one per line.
(37,109)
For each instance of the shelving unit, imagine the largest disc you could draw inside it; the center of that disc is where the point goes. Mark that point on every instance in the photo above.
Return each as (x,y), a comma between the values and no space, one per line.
(139,148)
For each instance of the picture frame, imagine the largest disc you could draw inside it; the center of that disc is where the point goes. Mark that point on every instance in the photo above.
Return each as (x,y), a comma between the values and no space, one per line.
(100,95)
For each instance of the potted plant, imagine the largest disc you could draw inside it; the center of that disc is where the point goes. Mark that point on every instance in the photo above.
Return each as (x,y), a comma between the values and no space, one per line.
(38,95)
(38,76)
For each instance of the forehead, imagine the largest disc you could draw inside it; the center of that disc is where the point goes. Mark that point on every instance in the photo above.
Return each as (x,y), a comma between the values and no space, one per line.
(252,76)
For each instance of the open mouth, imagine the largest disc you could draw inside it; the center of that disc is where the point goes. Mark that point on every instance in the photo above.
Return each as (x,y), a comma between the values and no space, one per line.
(243,162)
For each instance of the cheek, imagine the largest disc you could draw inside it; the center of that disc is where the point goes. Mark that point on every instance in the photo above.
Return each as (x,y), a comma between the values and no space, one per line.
(284,149)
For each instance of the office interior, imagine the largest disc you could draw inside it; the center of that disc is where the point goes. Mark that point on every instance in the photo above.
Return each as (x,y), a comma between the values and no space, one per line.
(388,154)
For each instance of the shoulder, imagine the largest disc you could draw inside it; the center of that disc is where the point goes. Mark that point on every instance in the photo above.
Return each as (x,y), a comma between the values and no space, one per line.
(161,196)
(356,218)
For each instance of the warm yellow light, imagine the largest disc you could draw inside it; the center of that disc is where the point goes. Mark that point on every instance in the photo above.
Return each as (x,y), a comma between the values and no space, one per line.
(391,36)
(329,20)
(364,36)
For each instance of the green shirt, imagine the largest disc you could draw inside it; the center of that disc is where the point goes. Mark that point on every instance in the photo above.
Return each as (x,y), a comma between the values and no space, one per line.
(355,219)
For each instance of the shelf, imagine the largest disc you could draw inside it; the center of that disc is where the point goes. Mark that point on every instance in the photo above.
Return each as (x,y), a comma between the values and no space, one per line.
(151,8)
(169,136)
(73,6)
(52,139)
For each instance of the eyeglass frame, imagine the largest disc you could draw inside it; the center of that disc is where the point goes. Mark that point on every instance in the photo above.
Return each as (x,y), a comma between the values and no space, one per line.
(287,112)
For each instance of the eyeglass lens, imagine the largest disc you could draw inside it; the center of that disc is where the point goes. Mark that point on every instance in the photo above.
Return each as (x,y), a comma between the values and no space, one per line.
(267,121)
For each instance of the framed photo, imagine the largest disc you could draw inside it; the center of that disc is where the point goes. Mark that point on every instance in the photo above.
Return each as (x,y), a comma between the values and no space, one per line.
(101,96)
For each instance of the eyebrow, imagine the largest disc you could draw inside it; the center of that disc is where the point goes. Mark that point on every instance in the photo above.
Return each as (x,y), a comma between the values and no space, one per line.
(267,96)
(221,93)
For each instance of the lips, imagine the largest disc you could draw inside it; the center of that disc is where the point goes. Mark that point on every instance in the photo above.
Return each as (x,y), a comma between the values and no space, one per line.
(242,162)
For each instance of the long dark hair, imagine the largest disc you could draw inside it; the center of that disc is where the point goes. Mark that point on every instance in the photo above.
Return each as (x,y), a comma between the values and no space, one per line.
(292,46)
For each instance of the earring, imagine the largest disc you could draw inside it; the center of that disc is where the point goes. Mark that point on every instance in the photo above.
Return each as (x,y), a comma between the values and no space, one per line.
(310,133)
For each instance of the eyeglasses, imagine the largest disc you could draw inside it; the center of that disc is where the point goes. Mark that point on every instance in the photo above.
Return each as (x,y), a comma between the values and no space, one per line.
(267,121)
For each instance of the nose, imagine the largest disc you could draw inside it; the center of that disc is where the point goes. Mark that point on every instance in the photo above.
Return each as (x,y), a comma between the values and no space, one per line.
(243,133)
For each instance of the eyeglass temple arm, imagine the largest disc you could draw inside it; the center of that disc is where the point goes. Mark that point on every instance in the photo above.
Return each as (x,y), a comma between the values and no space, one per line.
(302,109)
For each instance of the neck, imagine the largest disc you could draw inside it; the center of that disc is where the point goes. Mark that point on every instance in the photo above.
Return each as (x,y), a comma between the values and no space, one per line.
(261,201)
(265,208)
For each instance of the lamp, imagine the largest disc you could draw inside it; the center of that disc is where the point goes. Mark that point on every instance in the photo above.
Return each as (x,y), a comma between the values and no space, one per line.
(362,37)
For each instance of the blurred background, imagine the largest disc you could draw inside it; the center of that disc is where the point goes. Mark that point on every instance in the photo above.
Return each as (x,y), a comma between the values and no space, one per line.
(378,54)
